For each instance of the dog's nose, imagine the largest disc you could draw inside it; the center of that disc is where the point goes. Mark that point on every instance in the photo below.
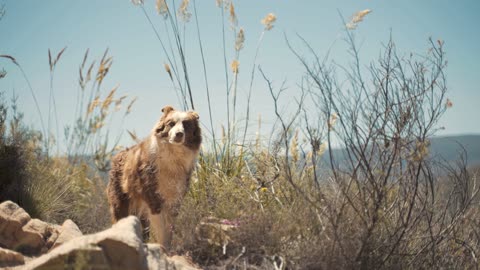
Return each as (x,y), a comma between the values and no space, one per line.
(178,137)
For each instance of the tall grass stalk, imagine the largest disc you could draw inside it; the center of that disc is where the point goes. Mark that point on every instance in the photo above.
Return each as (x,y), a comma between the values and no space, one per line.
(51,101)
(25,77)
(212,130)
(226,147)
(169,59)
(181,51)
(250,87)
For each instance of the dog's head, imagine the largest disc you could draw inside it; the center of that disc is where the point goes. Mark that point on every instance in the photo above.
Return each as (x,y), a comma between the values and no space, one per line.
(179,128)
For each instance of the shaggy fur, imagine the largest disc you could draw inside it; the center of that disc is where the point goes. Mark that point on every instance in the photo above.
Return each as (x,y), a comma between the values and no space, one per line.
(150,179)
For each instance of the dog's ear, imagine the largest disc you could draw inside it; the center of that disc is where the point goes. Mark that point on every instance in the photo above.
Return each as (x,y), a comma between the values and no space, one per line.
(194,115)
(167,109)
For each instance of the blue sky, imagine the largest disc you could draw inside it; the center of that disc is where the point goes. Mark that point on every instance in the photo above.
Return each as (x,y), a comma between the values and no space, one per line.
(29,28)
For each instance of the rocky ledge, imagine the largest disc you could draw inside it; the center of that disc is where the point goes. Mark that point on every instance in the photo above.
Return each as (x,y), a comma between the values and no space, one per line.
(27,243)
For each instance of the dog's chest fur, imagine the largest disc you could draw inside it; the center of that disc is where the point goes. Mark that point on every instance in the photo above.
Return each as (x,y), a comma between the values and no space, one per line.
(174,166)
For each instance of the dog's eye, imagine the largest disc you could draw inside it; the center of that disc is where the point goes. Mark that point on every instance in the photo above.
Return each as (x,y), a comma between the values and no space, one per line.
(171,124)
(160,129)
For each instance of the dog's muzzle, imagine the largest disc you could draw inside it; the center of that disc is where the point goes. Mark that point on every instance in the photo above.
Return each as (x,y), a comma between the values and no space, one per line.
(179,137)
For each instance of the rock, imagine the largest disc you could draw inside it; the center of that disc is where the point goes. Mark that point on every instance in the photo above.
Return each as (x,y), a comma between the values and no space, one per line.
(32,237)
(10,258)
(157,259)
(21,233)
(80,258)
(215,231)
(55,232)
(68,231)
(37,226)
(119,247)
(11,211)
(12,219)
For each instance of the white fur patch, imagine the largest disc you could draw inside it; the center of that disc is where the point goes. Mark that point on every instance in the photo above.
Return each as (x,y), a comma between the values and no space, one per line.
(179,116)
(153,145)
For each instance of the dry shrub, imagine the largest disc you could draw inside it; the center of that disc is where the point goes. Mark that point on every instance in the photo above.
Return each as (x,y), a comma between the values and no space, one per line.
(51,189)
(382,202)
(55,190)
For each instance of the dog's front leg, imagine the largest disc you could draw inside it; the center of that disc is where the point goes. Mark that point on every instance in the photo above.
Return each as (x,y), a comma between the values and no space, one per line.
(161,227)
(159,216)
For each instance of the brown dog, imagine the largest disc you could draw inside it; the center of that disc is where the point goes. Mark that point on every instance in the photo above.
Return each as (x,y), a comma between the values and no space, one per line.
(150,179)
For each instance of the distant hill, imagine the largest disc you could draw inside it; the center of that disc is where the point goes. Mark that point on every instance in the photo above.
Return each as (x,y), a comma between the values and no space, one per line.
(450,147)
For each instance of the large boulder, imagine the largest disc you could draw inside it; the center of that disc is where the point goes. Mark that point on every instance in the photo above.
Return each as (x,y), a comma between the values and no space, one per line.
(21,233)
(119,247)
